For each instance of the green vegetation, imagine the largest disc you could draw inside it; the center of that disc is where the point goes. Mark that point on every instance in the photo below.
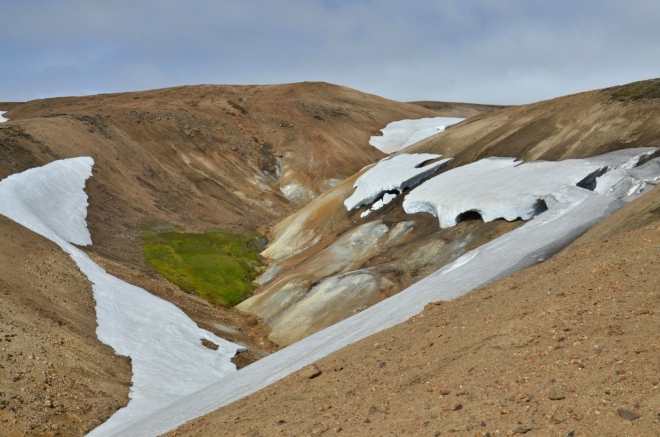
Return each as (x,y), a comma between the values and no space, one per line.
(217,265)
(237,107)
(646,89)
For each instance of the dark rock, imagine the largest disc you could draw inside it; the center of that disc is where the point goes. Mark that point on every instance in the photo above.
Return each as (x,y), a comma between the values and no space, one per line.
(310,372)
(627,414)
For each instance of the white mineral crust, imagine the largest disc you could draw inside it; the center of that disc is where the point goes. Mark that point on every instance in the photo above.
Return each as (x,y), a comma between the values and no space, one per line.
(3,119)
(403,133)
(392,174)
(167,356)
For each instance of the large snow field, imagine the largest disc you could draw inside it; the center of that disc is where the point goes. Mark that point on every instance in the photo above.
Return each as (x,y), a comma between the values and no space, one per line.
(403,133)
(507,188)
(574,212)
(168,358)
(3,119)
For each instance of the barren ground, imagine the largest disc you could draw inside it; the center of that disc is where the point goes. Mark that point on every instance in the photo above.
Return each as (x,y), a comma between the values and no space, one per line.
(56,377)
(567,346)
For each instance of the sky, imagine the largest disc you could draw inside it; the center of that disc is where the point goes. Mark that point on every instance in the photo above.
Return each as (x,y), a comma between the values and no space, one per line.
(480,51)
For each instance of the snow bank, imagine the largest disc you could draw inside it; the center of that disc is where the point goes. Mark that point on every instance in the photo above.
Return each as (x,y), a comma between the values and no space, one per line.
(525,246)
(506,188)
(403,133)
(392,174)
(168,358)
(3,119)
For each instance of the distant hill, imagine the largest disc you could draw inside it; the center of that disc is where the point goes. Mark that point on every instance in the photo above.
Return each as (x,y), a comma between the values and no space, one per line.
(455,109)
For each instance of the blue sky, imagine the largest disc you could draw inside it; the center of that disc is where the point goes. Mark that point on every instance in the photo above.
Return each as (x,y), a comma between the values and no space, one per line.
(490,51)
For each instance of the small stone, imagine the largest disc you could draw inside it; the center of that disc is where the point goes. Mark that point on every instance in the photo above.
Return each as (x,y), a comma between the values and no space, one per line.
(627,414)
(556,396)
(48,404)
(209,344)
(61,409)
(310,372)
(570,434)
(615,330)
(521,430)
(54,427)
(453,407)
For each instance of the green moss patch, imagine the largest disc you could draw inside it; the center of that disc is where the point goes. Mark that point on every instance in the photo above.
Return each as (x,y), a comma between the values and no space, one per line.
(646,89)
(217,266)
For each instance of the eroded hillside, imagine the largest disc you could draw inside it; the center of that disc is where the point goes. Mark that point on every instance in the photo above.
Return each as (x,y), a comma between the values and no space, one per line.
(234,158)
(383,251)
(187,159)
(568,347)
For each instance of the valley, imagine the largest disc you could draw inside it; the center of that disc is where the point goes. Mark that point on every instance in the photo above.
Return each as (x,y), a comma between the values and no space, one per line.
(256,179)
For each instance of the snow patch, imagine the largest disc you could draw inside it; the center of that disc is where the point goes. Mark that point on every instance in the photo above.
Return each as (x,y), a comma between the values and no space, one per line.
(3,119)
(403,133)
(168,358)
(392,174)
(506,188)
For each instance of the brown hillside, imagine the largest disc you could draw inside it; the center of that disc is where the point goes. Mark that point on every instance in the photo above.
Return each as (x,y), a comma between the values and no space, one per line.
(194,158)
(574,126)
(188,158)
(566,348)
(456,109)
(55,374)
(202,156)
(307,245)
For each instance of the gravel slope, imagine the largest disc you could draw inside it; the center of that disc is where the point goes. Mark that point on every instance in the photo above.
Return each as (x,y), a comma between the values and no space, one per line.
(569,345)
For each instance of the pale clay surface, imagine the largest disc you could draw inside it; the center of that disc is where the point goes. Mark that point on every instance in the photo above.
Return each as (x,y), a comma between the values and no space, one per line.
(527,245)
(168,359)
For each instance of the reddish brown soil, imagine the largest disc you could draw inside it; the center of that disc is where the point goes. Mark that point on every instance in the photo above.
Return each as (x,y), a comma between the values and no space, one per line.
(567,346)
